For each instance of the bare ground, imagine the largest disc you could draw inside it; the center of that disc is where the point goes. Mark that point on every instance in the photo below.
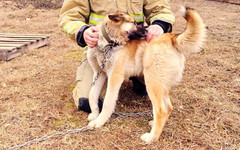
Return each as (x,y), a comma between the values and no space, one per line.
(36,99)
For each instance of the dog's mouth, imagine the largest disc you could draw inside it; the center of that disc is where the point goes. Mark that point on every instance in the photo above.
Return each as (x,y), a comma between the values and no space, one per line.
(140,33)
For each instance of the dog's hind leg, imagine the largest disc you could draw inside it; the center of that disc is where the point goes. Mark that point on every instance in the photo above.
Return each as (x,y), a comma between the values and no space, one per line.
(162,108)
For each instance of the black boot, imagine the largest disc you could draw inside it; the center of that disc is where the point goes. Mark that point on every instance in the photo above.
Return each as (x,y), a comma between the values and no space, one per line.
(84,104)
(138,87)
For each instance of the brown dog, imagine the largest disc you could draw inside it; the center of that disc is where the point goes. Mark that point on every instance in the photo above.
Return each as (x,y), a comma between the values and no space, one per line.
(161,62)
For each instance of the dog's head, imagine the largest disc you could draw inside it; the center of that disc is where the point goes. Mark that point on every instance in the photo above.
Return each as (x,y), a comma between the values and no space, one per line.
(123,28)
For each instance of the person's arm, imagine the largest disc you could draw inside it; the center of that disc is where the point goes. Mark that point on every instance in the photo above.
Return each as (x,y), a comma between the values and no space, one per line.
(158,12)
(73,19)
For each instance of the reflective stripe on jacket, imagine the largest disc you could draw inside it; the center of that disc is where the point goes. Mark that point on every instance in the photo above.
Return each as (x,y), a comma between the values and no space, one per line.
(78,13)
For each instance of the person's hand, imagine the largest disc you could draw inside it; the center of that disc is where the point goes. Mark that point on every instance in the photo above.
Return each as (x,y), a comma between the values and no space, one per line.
(154,30)
(90,36)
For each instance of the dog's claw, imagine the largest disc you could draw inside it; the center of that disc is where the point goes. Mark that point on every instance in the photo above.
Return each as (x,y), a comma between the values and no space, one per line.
(92,116)
(92,124)
(147,137)
(150,123)
(95,123)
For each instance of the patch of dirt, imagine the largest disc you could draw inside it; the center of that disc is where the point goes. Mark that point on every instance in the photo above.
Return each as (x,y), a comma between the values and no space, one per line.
(36,88)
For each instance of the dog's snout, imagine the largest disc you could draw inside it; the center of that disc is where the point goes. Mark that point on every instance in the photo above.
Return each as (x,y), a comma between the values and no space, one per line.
(139,33)
(144,31)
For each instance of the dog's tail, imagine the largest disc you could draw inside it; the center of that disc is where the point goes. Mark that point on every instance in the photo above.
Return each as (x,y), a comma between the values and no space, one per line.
(192,39)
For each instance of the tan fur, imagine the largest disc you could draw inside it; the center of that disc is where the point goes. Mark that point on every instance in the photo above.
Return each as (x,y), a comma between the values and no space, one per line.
(161,61)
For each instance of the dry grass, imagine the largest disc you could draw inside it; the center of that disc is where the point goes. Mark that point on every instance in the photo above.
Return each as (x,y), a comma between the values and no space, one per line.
(35,89)
(47,4)
(229,1)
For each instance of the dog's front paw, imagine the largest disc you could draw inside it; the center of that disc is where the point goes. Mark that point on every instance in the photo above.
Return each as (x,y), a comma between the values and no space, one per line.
(92,116)
(96,123)
(147,137)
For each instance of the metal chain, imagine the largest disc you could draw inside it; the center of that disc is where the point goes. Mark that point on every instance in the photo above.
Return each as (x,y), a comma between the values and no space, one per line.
(99,72)
(96,77)
(83,129)
(127,115)
(107,55)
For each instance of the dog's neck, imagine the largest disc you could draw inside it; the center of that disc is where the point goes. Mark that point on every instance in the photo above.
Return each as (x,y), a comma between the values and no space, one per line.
(107,38)
(105,42)
(105,34)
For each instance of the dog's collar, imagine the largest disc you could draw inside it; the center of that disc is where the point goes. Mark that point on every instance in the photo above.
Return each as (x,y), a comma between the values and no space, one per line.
(108,48)
(111,43)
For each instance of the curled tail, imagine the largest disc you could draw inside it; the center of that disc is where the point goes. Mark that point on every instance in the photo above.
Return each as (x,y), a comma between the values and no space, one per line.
(192,39)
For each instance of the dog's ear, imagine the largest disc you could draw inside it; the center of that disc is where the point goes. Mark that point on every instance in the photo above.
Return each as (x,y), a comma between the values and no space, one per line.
(116,17)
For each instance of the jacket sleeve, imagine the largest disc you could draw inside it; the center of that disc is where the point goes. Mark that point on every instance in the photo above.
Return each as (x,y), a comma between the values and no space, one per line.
(158,11)
(74,16)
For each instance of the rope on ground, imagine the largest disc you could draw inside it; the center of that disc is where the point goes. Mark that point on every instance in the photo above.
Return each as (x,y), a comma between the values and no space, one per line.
(82,129)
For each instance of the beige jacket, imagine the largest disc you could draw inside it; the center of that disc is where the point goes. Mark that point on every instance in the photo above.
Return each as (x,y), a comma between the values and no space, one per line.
(77,13)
